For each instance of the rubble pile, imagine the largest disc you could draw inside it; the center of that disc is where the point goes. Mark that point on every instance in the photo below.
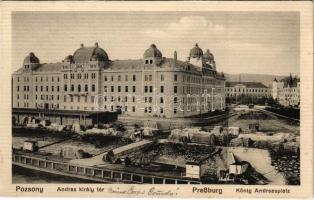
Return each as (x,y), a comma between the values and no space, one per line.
(289,165)
(191,153)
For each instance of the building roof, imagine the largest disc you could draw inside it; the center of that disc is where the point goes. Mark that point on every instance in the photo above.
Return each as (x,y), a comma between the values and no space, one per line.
(51,67)
(86,54)
(125,64)
(152,52)
(208,55)
(31,58)
(290,81)
(196,52)
(246,84)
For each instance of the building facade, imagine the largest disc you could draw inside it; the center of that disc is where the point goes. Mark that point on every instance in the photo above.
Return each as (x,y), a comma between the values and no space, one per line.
(152,86)
(255,89)
(247,92)
(287,91)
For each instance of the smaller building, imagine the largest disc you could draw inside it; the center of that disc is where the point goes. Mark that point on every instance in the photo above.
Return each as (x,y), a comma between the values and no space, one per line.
(194,169)
(287,91)
(246,92)
(30,145)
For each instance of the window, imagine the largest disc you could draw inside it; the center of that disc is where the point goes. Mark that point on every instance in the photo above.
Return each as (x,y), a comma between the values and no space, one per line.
(150,99)
(112,78)
(79,88)
(146,88)
(175,89)
(145,99)
(126,89)
(161,100)
(41,88)
(175,110)
(105,78)
(134,77)
(145,110)
(126,99)
(47,88)
(52,88)
(146,61)
(112,88)
(119,78)
(72,88)
(146,77)
(175,100)
(150,89)
(150,109)
(175,78)
(161,110)
(126,77)
(86,88)
(58,88)
(78,99)
(105,88)
(52,79)
(150,77)
(150,61)
(119,88)
(18,88)
(134,89)
(162,89)
(133,109)
(133,98)
(93,88)
(162,78)
(65,87)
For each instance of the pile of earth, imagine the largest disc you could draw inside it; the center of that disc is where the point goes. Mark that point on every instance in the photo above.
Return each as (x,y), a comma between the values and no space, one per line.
(172,151)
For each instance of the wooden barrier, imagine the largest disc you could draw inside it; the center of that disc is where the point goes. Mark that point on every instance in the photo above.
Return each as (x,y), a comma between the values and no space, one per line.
(92,173)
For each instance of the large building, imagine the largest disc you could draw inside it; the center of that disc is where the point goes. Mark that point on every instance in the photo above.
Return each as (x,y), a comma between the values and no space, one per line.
(287,91)
(151,86)
(252,89)
(247,92)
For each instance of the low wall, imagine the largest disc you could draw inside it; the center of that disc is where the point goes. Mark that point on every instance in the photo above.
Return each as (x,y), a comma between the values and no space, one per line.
(93,173)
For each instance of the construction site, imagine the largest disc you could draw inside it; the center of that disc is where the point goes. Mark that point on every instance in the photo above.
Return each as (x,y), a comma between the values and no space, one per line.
(227,152)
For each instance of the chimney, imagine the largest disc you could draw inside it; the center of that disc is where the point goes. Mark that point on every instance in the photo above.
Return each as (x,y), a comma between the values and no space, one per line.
(175,57)
(82,45)
(96,44)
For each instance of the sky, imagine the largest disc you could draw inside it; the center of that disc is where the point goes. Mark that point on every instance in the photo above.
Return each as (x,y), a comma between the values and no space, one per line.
(242,42)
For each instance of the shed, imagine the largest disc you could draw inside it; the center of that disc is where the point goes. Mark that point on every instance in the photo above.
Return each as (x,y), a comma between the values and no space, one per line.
(30,145)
